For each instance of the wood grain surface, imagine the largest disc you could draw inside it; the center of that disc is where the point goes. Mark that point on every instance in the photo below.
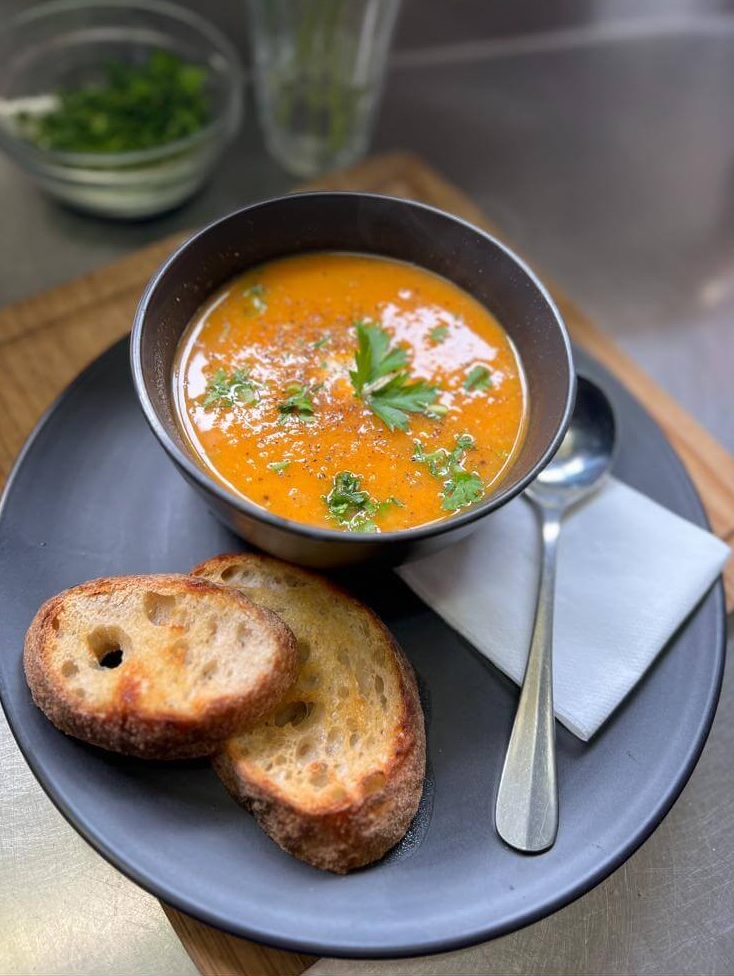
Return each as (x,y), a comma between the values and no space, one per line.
(46,340)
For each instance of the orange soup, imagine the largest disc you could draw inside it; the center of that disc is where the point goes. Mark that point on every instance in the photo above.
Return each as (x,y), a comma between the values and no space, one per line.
(351,392)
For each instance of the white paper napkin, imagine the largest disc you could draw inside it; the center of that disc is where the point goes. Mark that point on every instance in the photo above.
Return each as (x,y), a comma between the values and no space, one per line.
(629,572)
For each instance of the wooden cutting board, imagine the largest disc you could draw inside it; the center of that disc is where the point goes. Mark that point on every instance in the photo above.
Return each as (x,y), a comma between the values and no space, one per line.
(45,341)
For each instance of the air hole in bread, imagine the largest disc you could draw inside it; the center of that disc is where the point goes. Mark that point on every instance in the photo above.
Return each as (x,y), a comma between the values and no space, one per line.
(112,659)
(342,656)
(374,782)
(69,669)
(304,751)
(293,713)
(304,651)
(337,794)
(319,775)
(209,670)
(354,740)
(363,680)
(379,684)
(343,691)
(107,644)
(383,702)
(80,692)
(212,628)
(159,608)
(55,625)
(230,573)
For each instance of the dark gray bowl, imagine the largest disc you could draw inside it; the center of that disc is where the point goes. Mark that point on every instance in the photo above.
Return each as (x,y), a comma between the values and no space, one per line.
(369,224)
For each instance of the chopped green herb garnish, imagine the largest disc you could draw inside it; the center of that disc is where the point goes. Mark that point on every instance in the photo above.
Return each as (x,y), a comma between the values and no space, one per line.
(464,488)
(380,378)
(323,341)
(225,389)
(346,495)
(298,402)
(441,462)
(460,487)
(254,295)
(478,378)
(438,334)
(278,466)
(134,107)
(352,507)
(437,461)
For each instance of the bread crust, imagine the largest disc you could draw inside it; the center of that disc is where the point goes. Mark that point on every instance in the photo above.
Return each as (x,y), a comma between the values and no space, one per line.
(361,828)
(133,722)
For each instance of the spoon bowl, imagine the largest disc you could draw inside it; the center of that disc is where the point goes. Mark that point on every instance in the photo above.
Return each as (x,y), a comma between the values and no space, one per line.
(526,811)
(586,452)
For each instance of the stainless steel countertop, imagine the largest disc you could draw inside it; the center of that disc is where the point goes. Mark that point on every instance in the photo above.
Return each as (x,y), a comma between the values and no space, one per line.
(606,152)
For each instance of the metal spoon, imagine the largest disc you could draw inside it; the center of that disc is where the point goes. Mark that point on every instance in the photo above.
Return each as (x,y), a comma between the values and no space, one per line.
(526,814)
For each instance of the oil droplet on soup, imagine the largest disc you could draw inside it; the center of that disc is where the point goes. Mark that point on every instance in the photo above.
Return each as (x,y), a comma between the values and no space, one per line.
(351,392)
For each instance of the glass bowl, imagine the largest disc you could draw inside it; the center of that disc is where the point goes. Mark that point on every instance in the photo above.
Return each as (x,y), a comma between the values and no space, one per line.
(66,44)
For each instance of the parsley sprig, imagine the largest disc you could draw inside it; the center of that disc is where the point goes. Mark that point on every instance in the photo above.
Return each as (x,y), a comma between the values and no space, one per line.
(381,379)
(463,488)
(460,487)
(226,389)
(352,507)
(478,378)
(438,334)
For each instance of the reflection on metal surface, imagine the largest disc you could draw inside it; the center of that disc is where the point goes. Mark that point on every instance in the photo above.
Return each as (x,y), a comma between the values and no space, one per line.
(623,31)
(62,908)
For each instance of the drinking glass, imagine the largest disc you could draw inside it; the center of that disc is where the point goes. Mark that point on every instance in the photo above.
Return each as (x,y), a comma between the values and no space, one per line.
(319,72)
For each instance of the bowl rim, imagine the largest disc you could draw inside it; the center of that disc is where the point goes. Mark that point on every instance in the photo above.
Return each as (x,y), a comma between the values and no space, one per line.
(317,533)
(225,122)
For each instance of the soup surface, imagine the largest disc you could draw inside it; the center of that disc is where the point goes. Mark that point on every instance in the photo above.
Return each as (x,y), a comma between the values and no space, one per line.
(351,392)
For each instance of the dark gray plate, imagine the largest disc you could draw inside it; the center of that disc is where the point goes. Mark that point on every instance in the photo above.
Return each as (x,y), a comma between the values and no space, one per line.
(93,494)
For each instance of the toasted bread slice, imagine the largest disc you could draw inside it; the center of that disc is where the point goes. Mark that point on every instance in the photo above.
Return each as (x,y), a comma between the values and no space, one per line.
(335,774)
(163,667)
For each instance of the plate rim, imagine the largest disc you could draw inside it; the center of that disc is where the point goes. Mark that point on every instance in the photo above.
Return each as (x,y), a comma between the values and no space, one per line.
(427,947)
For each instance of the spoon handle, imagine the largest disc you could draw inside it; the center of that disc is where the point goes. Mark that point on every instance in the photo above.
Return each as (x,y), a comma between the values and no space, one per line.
(526,814)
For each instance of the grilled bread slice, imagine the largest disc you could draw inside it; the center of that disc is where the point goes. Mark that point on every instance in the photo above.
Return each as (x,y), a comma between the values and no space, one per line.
(163,667)
(335,773)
